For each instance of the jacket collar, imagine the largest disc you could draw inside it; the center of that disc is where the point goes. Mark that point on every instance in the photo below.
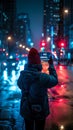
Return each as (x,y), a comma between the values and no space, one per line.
(33,67)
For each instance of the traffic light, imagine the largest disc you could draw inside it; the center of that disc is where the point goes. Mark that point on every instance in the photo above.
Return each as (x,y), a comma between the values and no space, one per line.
(43,43)
(62,44)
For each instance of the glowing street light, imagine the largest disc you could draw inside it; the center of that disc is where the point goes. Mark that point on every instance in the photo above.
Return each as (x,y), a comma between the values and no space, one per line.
(48,39)
(65,14)
(27,49)
(20,45)
(23,46)
(66,11)
(9,38)
(61,127)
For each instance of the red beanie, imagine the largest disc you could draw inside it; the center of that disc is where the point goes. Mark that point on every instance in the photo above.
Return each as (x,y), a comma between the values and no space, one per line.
(33,57)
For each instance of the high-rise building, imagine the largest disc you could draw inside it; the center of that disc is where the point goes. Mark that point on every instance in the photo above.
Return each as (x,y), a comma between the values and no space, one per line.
(47,17)
(7,21)
(68,15)
(22,30)
(68,24)
(9,8)
(51,18)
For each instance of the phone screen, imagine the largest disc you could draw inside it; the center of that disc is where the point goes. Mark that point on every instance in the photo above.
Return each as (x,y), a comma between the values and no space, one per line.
(45,67)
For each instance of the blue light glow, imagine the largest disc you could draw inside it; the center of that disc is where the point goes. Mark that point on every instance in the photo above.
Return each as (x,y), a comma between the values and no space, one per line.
(4,63)
(13,64)
(5,75)
(21,67)
(11,57)
(24,61)
(31,44)
(71,44)
(13,88)
(53,46)
(29,40)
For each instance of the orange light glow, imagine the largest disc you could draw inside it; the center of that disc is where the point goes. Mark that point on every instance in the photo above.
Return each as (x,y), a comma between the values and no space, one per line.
(45,66)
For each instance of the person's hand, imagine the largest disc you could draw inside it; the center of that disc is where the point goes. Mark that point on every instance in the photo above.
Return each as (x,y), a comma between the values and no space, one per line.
(50,61)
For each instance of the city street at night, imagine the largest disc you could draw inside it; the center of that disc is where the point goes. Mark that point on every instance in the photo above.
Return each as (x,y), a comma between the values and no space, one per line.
(60,97)
(34,35)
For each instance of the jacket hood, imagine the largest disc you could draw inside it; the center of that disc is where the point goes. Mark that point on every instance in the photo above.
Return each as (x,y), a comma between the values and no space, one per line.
(33,67)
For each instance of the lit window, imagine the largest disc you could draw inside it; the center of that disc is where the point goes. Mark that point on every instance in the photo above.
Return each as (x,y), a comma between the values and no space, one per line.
(21,27)
(56,0)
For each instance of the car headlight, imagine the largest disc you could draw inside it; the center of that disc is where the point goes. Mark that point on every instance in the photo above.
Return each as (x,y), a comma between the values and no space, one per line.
(4,64)
(13,64)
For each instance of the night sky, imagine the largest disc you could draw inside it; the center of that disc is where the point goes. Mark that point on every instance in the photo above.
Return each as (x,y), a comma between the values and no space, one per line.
(35,10)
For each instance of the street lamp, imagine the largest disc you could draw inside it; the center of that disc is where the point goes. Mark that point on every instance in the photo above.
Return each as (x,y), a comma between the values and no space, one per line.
(20,45)
(9,39)
(66,11)
(48,39)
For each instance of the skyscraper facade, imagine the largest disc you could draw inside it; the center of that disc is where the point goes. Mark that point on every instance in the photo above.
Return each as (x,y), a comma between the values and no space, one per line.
(9,8)
(22,28)
(68,25)
(7,22)
(68,17)
(51,18)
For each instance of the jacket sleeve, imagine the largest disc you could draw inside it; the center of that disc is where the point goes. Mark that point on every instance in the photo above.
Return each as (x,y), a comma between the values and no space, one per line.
(51,79)
(19,81)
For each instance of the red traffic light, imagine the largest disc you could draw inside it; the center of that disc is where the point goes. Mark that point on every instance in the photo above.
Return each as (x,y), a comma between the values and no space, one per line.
(42,43)
(62,43)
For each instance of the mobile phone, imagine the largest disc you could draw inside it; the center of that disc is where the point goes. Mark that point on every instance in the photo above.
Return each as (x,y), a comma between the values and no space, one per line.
(45,56)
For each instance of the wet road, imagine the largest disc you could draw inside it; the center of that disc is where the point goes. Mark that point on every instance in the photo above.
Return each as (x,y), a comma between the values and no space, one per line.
(61,106)
(60,97)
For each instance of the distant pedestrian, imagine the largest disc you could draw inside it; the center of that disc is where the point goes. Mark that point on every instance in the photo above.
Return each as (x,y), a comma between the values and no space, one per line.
(33,83)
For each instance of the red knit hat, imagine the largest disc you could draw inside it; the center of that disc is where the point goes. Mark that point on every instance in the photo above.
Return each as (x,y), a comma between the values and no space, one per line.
(33,57)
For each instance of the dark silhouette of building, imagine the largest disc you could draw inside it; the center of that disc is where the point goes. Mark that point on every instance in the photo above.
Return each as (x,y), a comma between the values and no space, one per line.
(7,22)
(68,17)
(8,11)
(68,25)
(23,31)
(22,28)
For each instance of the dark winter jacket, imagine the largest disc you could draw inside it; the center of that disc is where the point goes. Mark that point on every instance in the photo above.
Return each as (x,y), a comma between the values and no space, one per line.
(30,74)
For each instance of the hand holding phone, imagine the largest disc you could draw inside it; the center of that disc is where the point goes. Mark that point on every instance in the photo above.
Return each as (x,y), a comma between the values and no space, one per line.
(50,61)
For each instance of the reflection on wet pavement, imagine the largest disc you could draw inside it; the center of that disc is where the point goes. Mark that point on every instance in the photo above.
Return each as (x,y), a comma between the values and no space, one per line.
(61,102)
(61,114)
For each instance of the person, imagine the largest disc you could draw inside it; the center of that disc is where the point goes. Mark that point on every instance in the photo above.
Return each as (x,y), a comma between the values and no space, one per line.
(32,74)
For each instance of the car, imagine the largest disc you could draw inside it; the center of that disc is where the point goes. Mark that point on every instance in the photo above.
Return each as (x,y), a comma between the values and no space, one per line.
(3,65)
(12,63)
